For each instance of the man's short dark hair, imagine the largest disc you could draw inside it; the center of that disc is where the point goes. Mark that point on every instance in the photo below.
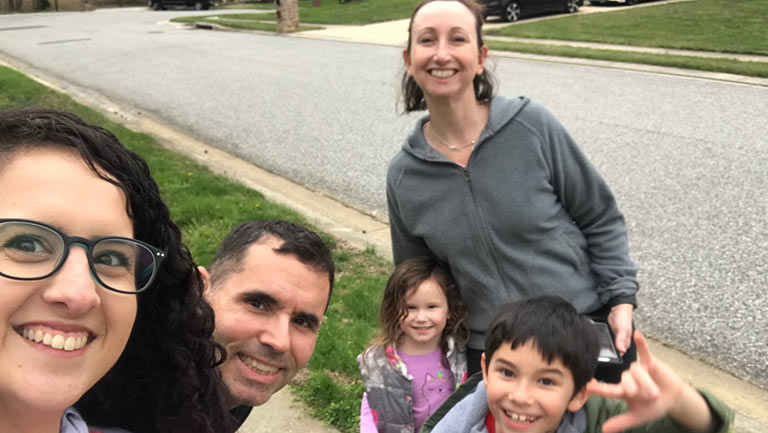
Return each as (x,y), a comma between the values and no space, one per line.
(556,329)
(305,244)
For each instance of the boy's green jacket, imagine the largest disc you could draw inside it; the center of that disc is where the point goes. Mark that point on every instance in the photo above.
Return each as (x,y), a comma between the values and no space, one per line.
(473,409)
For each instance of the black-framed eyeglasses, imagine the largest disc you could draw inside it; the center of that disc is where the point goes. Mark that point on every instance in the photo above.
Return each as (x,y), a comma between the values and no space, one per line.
(31,250)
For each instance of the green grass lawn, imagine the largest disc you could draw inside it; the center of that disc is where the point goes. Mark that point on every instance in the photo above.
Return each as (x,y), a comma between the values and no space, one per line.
(246,5)
(729,26)
(754,69)
(206,207)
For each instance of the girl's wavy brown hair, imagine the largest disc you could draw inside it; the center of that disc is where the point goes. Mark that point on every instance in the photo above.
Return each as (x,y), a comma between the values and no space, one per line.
(408,275)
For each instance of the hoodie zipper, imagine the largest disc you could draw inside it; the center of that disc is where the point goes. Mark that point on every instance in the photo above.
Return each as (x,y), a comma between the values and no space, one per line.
(482,229)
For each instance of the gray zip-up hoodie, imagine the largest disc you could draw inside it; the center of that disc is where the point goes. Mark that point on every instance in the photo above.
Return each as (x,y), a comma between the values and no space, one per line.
(527,216)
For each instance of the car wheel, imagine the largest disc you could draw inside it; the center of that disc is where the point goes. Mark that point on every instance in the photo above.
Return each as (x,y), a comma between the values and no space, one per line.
(572,6)
(156,5)
(199,5)
(512,12)
(631,2)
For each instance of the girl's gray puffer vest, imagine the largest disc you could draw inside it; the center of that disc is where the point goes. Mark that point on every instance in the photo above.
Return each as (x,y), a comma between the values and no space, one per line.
(389,387)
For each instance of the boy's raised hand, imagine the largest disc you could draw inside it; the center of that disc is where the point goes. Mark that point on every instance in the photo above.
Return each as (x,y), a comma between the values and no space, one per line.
(649,387)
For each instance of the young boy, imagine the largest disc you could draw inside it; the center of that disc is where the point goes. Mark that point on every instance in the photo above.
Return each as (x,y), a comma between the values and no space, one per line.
(540,356)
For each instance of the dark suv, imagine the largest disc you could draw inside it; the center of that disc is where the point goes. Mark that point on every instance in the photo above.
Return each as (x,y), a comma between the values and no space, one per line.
(513,10)
(197,4)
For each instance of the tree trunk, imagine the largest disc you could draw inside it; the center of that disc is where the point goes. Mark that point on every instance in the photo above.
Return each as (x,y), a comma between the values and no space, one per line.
(287,15)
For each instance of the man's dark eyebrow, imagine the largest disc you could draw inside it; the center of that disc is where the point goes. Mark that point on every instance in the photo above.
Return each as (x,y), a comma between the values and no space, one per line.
(259,296)
(310,318)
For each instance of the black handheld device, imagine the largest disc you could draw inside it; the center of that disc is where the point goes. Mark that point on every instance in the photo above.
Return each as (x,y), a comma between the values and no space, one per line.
(608,353)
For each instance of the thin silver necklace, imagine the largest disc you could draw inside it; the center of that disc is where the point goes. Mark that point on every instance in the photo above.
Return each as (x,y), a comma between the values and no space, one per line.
(444,143)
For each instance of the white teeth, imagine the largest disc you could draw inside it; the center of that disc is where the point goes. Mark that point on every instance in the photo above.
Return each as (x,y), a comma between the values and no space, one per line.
(56,341)
(441,73)
(519,417)
(258,366)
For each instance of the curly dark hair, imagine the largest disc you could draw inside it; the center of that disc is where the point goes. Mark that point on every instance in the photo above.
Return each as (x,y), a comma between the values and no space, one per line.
(413,96)
(165,380)
(407,276)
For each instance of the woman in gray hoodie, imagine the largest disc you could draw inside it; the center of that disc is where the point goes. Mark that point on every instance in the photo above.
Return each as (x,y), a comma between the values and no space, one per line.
(497,189)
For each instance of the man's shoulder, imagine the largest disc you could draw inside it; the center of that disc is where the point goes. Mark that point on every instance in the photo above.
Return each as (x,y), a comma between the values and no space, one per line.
(239,415)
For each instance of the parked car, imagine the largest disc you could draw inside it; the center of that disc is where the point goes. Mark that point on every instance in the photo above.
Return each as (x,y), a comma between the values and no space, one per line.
(164,4)
(513,10)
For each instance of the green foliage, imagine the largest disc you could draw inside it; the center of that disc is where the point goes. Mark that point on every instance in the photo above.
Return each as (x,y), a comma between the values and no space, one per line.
(731,26)
(206,207)
(335,401)
(352,317)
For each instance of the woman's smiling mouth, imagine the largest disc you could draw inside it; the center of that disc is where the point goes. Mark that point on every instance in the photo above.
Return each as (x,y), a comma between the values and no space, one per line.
(442,73)
(55,339)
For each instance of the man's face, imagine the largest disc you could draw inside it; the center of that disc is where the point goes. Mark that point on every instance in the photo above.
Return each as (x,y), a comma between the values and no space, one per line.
(527,394)
(267,317)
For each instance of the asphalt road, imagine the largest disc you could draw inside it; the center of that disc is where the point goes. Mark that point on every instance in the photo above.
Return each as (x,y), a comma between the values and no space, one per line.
(687,158)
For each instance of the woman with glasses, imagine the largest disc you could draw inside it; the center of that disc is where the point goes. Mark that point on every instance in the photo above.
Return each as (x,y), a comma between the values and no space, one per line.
(101,311)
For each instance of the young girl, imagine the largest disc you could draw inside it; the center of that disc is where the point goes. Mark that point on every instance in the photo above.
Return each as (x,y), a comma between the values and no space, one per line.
(417,361)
